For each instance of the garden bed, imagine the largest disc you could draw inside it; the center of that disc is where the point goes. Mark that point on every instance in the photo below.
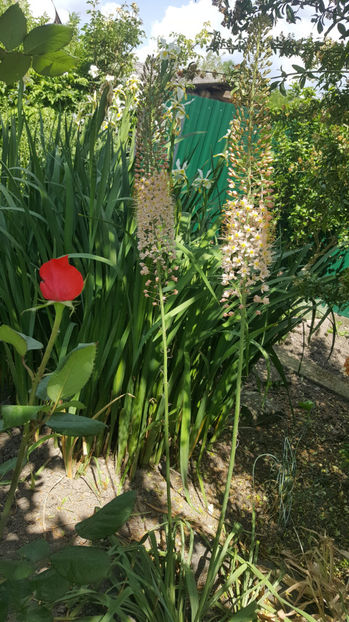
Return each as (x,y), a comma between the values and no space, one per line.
(315,454)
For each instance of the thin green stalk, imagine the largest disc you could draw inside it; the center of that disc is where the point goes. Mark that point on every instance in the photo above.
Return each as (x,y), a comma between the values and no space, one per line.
(27,432)
(215,549)
(59,308)
(169,577)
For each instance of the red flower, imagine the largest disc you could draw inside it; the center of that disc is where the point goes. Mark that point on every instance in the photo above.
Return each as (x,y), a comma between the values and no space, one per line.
(60,280)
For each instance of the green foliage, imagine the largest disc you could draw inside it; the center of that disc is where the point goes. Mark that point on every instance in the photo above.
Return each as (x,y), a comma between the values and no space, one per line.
(326,61)
(41,47)
(71,376)
(68,92)
(73,372)
(15,416)
(108,42)
(68,424)
(311,172)
(129,579)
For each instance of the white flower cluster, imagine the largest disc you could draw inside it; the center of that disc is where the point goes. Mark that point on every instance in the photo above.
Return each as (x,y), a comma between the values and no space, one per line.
(202,182)
(246,249)
(179,174)
(122,97)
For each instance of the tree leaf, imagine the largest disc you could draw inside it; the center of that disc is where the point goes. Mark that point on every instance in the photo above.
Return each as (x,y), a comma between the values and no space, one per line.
(81,564)
(9,335)
(15,415)
(47,38)
(342,29)
(74,425)
(54,63)
(13,66)
(73,374)
(13,27)
(109,518)
(298,68)
(290,15)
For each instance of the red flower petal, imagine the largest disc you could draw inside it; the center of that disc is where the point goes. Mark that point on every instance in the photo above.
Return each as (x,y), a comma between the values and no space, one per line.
(60,280)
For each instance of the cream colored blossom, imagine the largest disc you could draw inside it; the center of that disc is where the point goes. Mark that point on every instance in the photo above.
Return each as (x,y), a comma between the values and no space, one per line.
(245,262)
(155,219)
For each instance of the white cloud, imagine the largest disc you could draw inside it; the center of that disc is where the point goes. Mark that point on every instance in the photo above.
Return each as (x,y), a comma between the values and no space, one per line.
(188,20)
(109,8)
(39,7)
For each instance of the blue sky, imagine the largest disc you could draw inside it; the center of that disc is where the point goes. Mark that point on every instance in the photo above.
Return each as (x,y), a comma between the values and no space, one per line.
(161,17)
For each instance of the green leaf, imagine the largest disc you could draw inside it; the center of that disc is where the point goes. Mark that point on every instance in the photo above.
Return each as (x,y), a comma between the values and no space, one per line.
(9,335)
(81,564)
(32,344)
(74,425)
(71,404)
(47,38)
(298,68)
(247,614)
(342,29)
(41,391)
(36,550)
(54,63)
(73,374)
(16,415)
(49,585)
(15,570)
(13,66)
(108,519)
(290,15)
(13,27)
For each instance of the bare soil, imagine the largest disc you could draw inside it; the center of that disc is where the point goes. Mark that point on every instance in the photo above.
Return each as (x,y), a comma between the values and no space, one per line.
(303,426)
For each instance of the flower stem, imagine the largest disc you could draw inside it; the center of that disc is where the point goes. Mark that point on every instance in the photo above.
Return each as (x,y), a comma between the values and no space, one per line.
(212,570)
(27,432)
(169,576)
(59,308)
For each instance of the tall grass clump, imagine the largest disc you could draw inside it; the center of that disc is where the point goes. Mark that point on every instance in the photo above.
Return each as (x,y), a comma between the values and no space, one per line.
(72,193)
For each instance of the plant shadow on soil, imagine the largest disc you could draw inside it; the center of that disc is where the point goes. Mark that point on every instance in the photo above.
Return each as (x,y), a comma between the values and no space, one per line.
(319,484)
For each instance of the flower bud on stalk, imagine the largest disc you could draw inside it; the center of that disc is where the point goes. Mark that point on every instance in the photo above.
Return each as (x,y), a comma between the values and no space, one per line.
(154,203)
(248,224)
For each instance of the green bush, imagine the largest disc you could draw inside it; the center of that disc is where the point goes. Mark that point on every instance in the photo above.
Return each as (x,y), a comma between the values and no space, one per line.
(311,171)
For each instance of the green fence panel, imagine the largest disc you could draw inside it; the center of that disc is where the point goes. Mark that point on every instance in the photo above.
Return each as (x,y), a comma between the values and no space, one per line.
(203,137)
